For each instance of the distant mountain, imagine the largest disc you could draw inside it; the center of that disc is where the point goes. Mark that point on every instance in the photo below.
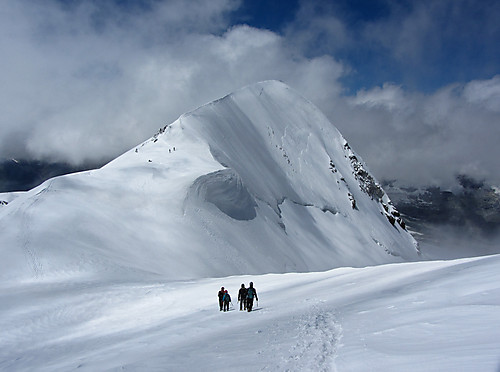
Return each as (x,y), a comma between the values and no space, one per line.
(474,205)
(23,175)
(256,182)
(448,224)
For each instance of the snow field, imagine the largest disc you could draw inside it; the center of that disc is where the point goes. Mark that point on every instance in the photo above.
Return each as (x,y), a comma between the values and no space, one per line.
(432,316)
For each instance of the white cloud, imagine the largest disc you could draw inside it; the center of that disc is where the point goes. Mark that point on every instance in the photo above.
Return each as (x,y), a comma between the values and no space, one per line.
(317,29)
(425,139)
(87,83)
(389,96)
(78,87)
(485,93)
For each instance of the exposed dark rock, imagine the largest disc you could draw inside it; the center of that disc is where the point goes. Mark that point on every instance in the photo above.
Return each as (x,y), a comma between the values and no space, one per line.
(474,208)
(366,182)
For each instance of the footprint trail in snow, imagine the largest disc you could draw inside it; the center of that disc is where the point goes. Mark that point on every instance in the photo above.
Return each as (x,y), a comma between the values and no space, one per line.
(314,341)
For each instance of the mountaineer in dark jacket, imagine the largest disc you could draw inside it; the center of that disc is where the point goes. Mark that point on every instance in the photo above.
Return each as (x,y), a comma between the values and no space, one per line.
(226,299)
(242,297)
(221,295)
(251,294)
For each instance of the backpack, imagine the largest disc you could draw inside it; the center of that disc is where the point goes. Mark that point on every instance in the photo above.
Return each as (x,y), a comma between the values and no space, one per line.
(250,293)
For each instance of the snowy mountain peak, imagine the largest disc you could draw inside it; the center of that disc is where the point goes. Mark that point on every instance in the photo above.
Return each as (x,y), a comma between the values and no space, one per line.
(258,181)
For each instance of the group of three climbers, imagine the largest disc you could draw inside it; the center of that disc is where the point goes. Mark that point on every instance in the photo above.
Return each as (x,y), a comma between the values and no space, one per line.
(245,298)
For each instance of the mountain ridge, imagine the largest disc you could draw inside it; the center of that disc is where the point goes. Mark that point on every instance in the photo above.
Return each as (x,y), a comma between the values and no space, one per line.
(262,154)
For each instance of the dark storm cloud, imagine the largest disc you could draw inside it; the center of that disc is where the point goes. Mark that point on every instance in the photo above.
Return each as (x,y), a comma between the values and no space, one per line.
(83,81)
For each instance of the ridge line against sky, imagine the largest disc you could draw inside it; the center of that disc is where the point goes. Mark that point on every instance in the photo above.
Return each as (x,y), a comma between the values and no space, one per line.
(413,86)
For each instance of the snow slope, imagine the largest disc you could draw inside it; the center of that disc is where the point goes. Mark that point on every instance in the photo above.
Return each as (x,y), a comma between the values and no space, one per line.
(426,316)
(256,182)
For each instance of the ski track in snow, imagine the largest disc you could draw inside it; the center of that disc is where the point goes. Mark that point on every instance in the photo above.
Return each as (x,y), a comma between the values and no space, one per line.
(25,236)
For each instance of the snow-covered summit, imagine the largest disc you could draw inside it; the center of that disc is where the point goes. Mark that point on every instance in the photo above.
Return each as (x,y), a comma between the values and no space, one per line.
(258,181)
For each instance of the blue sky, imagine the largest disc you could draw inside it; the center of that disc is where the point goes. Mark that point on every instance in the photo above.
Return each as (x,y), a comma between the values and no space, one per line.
(417,81)
(452,41)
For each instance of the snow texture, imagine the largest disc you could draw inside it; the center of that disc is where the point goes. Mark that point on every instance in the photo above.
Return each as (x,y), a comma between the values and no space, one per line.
(426,316)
